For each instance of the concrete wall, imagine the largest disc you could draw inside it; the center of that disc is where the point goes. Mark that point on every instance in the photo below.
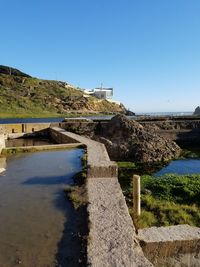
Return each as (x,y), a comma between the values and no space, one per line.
(23,127)
(60,138)
(112,239)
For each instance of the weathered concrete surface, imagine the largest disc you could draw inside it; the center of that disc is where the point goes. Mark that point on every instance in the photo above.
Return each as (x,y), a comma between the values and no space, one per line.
(171,246)
(112,238)
(99,164)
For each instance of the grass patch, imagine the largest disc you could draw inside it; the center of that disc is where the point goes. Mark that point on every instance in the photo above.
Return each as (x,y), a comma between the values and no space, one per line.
(126,164)
(77,195)
(177,188)
(157,212)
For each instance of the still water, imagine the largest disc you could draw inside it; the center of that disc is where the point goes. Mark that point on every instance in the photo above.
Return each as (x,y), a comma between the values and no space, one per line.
(183,166)
(33,208)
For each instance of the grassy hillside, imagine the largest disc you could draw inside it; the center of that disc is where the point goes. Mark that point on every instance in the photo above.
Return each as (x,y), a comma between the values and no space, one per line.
(24,96)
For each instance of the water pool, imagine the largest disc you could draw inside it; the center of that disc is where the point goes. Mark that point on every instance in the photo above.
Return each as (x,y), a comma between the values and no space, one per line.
(33,208)
(183,166)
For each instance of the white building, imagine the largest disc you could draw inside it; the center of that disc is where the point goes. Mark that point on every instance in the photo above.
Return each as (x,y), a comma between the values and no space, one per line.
(101,93)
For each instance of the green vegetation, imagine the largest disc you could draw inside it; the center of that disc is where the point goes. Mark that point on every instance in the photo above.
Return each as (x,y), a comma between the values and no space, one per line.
(77,195)
(166,200)
(182,189)
(24,96)
(126,165)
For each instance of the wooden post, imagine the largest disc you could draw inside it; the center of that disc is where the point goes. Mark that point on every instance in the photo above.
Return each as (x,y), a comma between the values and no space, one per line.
(136,196)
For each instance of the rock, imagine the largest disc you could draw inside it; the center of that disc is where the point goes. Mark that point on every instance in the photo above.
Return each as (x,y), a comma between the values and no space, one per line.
(128,140)
(197,111)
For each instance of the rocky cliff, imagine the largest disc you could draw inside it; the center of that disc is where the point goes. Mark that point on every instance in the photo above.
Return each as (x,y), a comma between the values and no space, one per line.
(22,95)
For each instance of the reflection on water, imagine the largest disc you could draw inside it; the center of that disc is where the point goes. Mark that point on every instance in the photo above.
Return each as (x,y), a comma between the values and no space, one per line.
(183,166)
(33,209)
(28,142)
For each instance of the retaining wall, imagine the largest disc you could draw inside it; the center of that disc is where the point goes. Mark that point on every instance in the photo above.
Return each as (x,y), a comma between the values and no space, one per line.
(23,127)
(112,239)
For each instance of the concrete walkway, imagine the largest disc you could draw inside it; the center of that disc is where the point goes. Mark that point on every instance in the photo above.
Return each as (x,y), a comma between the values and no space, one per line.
(112,239)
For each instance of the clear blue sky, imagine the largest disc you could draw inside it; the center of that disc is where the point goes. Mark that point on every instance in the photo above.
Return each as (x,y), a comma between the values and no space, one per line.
(148,50)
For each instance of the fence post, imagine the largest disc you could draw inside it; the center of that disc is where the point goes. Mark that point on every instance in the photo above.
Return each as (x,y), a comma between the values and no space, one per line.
(136,196)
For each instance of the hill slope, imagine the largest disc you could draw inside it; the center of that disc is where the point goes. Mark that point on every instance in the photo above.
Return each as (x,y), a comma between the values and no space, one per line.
(24,96)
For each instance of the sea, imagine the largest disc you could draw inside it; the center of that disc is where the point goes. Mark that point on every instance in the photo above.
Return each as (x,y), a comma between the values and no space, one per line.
(184,113)
(47,120)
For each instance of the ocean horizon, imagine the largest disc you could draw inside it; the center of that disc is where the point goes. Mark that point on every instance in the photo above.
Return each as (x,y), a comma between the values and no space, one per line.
(175,113)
